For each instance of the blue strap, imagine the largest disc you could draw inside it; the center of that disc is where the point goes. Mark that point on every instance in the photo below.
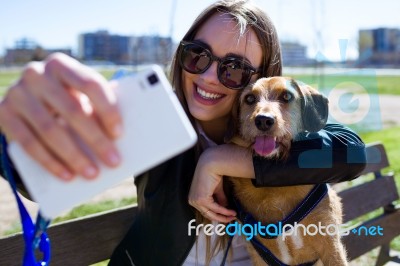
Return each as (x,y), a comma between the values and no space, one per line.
(302,210)
(35,236)
(226,251)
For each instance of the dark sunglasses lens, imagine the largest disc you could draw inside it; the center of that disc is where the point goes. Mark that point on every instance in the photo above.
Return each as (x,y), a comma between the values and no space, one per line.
(234,74)
(195,59)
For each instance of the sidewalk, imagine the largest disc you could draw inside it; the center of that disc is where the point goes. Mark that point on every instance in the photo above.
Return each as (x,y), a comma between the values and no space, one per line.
(9,216)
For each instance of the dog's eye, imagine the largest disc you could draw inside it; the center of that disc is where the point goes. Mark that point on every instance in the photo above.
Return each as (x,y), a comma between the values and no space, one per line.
(286,97)
(250,99)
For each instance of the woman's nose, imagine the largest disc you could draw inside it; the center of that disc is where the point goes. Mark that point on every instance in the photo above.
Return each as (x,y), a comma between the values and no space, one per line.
(211,74)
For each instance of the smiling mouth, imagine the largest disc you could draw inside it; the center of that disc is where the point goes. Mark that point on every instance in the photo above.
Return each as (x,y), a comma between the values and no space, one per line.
(208,95)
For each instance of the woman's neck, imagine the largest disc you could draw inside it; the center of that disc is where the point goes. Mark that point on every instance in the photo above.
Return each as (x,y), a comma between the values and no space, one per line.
(215,129)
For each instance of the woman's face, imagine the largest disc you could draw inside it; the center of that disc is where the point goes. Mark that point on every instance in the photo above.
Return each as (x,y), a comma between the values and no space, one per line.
(208,100)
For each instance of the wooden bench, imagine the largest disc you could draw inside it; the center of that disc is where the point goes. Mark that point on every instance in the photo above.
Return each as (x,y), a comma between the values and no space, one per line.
(380,193)
(92,239)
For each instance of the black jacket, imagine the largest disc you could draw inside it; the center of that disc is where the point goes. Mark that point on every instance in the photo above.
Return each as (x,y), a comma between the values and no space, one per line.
(159,233)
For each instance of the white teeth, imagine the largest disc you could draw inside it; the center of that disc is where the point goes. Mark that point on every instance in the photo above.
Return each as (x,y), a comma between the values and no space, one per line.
(207,95)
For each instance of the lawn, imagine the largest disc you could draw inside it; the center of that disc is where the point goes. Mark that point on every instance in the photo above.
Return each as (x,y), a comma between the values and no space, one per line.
(371,84)
(6,79)
(9,77)
(390,138)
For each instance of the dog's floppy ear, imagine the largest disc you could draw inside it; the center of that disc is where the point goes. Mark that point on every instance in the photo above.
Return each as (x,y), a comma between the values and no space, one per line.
(314,107)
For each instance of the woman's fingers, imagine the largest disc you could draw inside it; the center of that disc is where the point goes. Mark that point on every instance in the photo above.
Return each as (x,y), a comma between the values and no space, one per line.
(18,131)
(71,73)
(71,105)
(97,133)
(52,133)
(52,103)
(216,212)
(203,200)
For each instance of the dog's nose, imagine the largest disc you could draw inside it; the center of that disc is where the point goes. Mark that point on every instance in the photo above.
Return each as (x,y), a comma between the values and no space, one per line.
(264,122)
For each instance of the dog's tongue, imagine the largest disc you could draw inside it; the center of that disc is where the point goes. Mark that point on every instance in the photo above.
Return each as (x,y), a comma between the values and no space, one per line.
(264,145)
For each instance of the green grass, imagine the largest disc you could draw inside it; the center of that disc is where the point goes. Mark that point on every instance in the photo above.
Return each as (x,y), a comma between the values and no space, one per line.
(372,84)
(86,209)
(6,79)
(103,263)
(390,138)
(107,73)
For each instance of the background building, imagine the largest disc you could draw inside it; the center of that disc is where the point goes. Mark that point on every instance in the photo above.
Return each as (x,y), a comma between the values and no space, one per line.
(26,50)
(102,46)
(122,50)
(151,50)
(294,54)
(379,47)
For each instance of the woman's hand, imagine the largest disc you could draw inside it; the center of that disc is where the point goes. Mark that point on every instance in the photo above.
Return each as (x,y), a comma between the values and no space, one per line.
(206,192)
(53,98)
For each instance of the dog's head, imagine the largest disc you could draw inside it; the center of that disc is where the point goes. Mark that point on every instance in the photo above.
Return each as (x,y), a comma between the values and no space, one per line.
(273,110)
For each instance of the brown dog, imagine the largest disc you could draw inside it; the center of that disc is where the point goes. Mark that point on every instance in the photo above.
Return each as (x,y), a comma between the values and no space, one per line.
(270,114)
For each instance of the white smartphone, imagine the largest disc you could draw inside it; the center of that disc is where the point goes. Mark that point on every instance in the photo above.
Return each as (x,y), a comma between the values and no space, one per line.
(155,129)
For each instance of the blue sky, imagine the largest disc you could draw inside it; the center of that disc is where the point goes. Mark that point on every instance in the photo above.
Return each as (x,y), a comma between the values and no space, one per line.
(55,24)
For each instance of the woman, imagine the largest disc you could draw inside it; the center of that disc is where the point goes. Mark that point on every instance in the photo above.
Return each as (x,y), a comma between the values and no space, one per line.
(231,44)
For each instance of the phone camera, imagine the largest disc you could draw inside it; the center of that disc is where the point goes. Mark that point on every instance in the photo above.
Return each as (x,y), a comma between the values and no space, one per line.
(153,79)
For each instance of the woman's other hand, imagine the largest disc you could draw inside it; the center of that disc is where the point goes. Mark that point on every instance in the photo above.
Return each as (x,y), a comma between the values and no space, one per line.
(206,192)
(53,98)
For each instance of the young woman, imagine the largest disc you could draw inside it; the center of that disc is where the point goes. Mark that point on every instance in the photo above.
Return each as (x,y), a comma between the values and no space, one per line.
(230,44)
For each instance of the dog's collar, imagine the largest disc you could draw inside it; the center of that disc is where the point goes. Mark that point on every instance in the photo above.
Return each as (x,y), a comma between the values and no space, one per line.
(302,210)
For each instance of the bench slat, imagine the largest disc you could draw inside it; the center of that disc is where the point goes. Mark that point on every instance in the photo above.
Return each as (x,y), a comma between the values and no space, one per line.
(82,241)
(376,158)
(358,245)
(11,250)
(367,197)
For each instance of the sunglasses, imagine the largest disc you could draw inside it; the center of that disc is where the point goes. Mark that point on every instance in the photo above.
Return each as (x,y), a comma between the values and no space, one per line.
(233,71)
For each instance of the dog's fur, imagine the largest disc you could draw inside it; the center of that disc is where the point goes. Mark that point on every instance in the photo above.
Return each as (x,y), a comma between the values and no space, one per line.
(290,108)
